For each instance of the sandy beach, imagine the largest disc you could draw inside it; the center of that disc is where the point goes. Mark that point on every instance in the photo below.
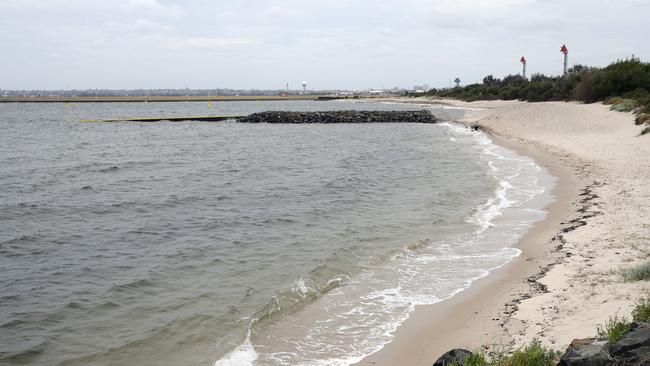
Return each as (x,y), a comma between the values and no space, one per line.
(567,280)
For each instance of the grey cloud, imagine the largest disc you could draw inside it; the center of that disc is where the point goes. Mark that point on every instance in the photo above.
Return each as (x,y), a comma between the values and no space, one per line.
(334,44)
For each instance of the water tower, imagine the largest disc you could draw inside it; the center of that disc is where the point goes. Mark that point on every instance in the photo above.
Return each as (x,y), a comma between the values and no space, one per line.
(304,87)
(457,81)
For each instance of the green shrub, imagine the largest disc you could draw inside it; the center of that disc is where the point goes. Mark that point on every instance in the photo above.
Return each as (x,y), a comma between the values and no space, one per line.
(614,100)
(644,104)
(583,91)
(626,105)
(534,354)
(641,312)
(642,271)
(636,94)
(614,329)
(621,77)
(477,358)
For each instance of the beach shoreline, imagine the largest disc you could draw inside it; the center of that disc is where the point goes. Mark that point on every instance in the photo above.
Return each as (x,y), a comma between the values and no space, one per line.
(530,297)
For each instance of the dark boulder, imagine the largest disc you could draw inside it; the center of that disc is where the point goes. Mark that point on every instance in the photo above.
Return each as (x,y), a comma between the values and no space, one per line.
(423,116)
(638,336)
(587,352)
(634,347)
(636,357)
(454,357)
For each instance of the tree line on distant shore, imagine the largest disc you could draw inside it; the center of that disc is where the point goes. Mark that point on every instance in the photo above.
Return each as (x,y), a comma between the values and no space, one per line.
(624,83)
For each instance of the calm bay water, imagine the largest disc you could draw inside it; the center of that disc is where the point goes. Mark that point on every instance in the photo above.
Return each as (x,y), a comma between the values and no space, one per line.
(193,243)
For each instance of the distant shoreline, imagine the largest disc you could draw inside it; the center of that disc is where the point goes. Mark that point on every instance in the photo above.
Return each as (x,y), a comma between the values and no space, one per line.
(163,98)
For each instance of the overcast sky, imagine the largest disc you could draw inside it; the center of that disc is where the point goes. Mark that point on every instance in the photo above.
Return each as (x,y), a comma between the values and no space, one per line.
(332,44)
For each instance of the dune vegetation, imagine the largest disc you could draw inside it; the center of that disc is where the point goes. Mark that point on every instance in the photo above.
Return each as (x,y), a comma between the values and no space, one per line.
(625,84)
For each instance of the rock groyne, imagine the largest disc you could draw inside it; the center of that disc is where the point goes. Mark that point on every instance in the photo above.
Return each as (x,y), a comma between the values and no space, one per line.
(422,116)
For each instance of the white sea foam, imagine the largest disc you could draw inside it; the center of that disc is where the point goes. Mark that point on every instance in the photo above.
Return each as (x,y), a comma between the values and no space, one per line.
(505,168)
(491,209)
(243,355)
(301,288)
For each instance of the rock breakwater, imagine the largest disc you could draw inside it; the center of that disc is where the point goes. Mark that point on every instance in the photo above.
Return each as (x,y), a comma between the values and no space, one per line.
(422,116)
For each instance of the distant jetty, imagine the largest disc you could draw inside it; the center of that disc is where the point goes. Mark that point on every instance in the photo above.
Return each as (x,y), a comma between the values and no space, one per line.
(422,116)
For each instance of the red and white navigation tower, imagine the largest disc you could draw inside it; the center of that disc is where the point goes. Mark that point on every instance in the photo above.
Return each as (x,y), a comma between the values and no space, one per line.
(523,61)
(565,51)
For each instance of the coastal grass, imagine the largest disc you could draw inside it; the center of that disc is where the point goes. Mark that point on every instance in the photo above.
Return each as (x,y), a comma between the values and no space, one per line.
(532,354)
(641,311)
(640,272)
(476,359)
(614,328)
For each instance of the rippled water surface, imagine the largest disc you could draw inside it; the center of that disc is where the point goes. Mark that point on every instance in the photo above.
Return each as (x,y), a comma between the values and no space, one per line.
(189,243)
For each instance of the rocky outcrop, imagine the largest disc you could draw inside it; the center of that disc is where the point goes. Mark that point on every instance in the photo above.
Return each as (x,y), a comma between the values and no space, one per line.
(633,349)
(587,352)
(454,357)
(423,116)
